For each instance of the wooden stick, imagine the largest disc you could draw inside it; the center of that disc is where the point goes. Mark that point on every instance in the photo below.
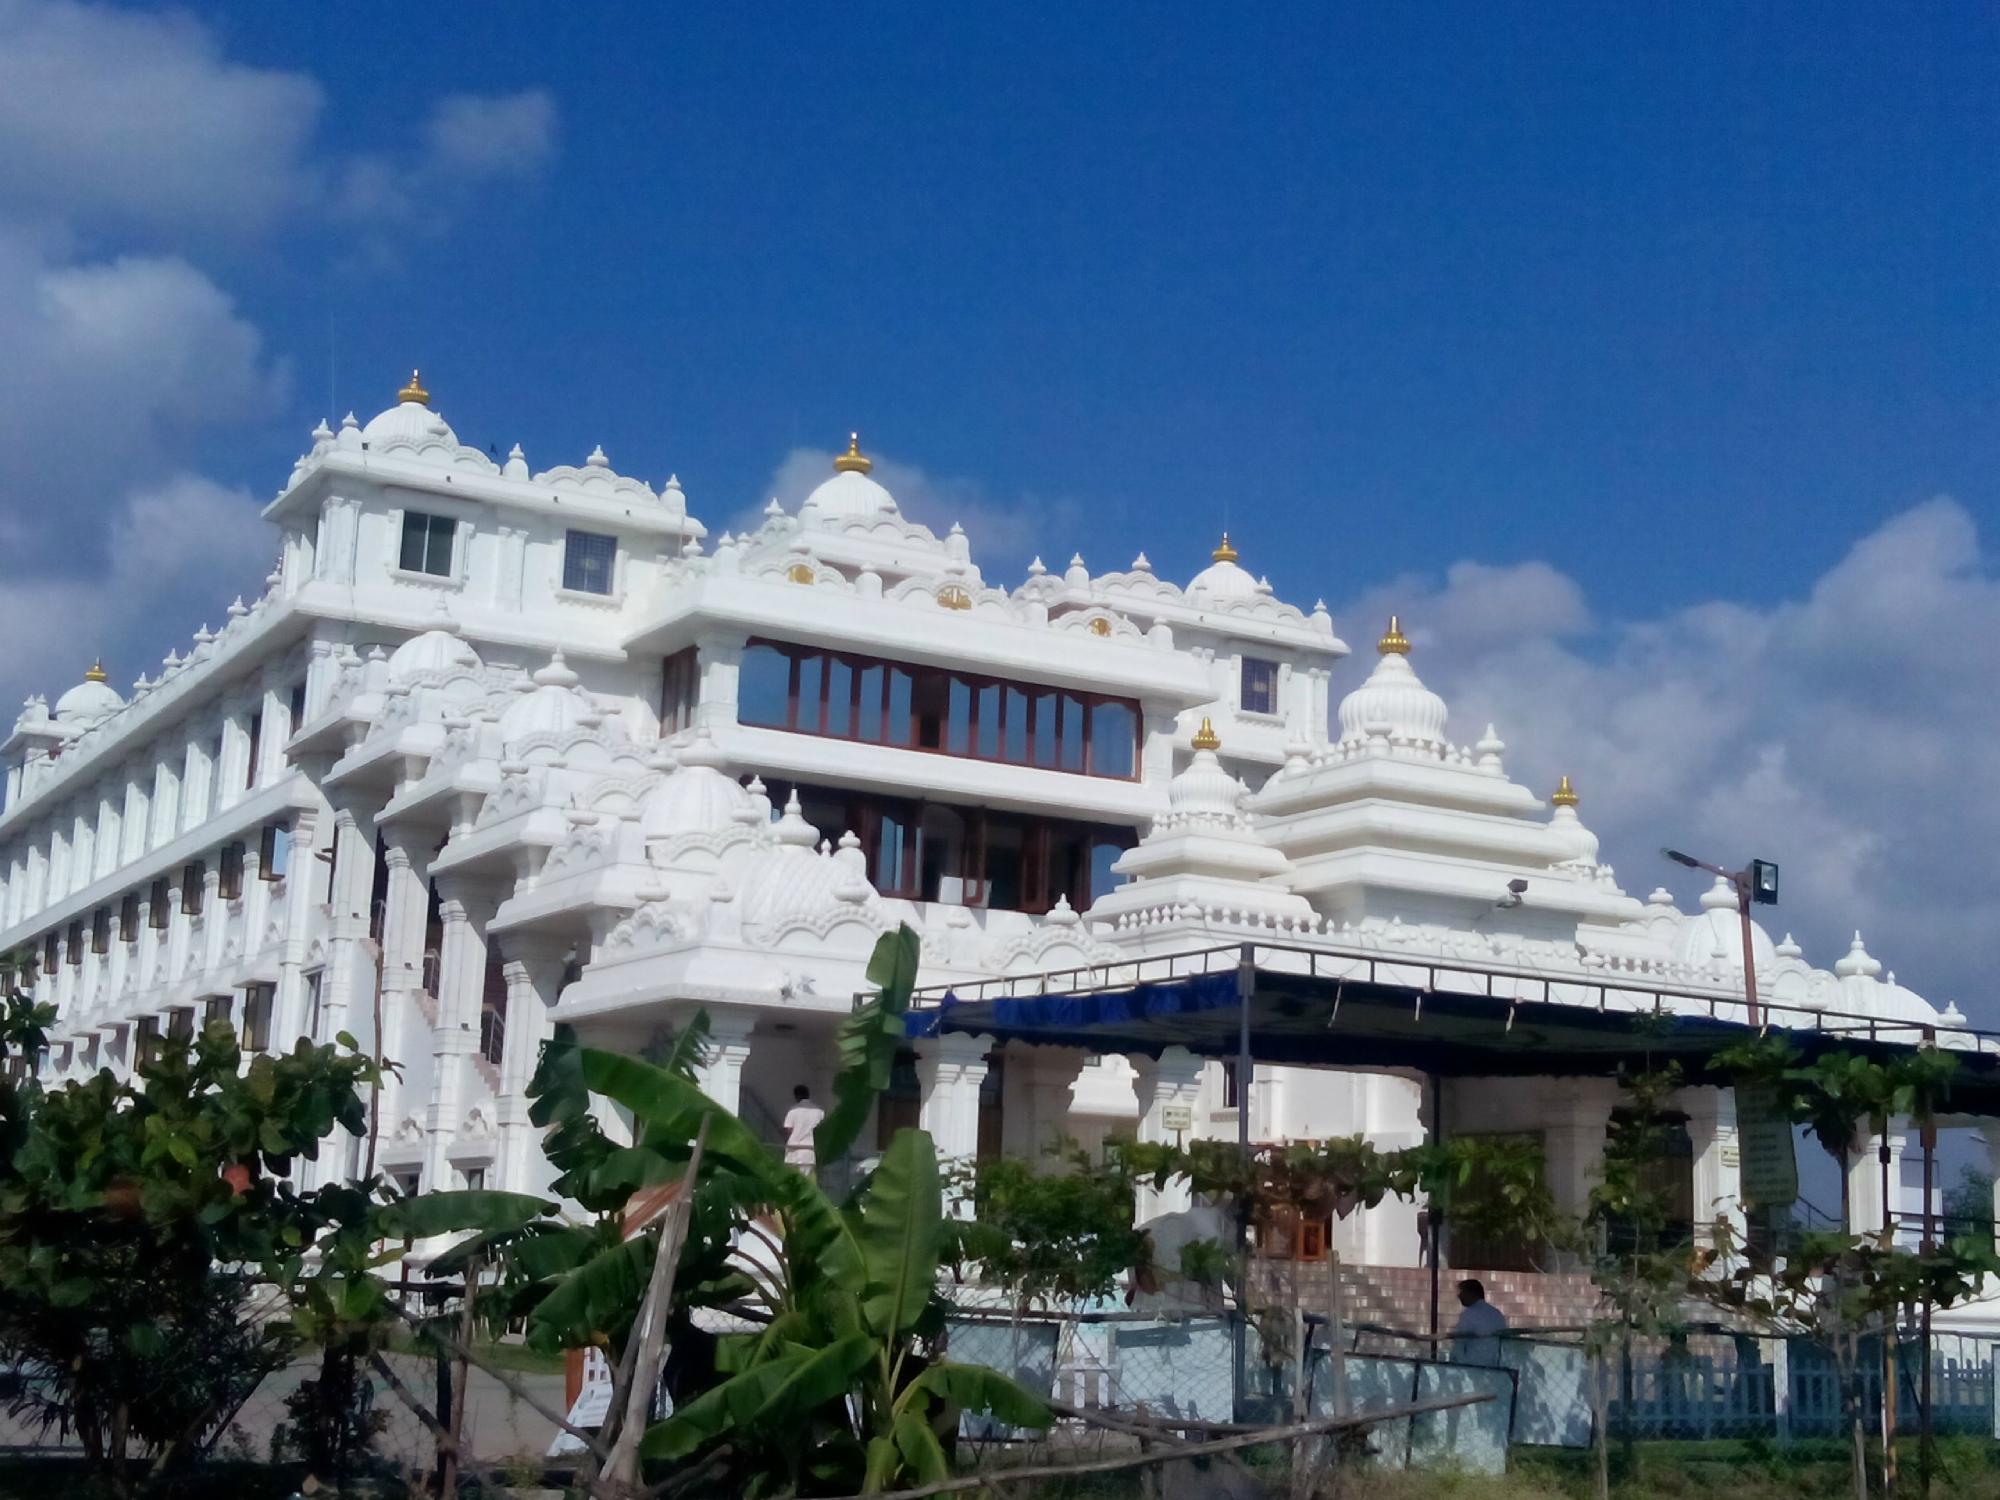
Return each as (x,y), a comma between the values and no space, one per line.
(1171,1455)
(448,1485)
(649,1330)
(526,1397)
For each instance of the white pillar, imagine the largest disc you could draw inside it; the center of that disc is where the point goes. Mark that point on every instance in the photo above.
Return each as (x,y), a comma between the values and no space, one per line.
(466,910)
(534,971)
(1865,1203)
(720,1073)
(1167,1088)
(1718,1162)
(407,854)
(1573,1126)
(1051,1082)
(950,1069)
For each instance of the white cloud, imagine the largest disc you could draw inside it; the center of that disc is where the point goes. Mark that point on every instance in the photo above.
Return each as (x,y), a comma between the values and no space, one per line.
(1004,532)
(113,370)
(176,553)
(1851,734)
(134,119)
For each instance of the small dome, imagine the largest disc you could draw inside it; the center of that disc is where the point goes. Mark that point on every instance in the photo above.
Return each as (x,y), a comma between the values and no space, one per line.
(851,492)
(432,651)
(90,700)
(1394,698)
(410,423)
(695,797)
(1579,844)
(1205,792)
(1713,939)
(792,880)
(1222,578)
(554,705)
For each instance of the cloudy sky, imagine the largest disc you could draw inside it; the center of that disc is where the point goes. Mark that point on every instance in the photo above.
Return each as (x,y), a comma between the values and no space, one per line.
(1644,363)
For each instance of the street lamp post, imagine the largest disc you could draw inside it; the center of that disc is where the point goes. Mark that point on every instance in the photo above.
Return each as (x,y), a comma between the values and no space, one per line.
(1759,885)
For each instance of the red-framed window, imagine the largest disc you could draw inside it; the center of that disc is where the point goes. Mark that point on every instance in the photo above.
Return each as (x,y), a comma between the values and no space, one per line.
(809,690)
(970,856)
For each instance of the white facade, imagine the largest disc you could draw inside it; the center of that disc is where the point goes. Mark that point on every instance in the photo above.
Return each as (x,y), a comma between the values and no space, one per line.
(497,749)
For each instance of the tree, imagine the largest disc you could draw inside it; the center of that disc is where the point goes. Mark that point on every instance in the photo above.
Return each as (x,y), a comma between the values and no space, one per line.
(134,1216)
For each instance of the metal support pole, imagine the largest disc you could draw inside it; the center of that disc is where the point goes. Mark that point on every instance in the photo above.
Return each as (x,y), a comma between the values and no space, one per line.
(1925,1434)
(1436,1215)
(1749,953)
(1246,987)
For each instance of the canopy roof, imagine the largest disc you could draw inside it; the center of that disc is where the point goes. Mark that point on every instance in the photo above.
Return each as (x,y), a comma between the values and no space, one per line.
(1380,1012)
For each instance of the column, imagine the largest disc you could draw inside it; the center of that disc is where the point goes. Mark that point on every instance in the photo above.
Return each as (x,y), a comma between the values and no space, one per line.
(288,1009)
(465,909)
(1049,1077)
(1865,1202)
(1991,1135)
(720,1072)
(1167,1088)
(534,970)
(950,1070)
(1573,1125)
(407,908)
(720,659)
(1718,1162)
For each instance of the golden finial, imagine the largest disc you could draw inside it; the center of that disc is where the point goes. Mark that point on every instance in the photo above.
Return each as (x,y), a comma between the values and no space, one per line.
(1394,642)
(97,672)
(415,391)
(1205,738)
(853,461)
(1564,795)
(1223,551)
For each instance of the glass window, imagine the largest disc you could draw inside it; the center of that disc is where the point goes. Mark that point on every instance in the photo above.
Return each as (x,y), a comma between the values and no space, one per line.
(75,942)
(1014,732)
(839,697)
(229,884)
(587,561)
(680,691)
(871,682)
(958,720)
(894,862)
(193,877)
(986,721)
(763,684)
(256,751)
(1104,852)
(159,906)
(930,705)
(1042,730)
(1258,686)
(897,731)
(259,1000)
(314,982)
(128,918)
(1072,732)
(811,684)
(493,1009)
(1114,737)
(298,704)
(274,852)
(427,543)
(100,930)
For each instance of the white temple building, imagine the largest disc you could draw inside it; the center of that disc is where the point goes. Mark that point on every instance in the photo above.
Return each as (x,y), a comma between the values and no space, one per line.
(499,748)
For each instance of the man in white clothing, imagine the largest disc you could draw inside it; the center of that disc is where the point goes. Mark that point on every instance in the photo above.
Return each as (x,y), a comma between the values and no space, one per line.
(801,1120)
(1475,1337)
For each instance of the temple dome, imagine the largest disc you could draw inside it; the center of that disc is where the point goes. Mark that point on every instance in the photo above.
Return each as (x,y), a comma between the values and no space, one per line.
(695,796)
(1713,938)
(432,651)
(410,423)
(851,492)
(554,705)
(1394,697)
(1205,791)
(90,700)
(1223,578)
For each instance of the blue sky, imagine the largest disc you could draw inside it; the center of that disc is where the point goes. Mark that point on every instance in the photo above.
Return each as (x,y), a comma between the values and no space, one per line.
(1514,282)
(1642,356)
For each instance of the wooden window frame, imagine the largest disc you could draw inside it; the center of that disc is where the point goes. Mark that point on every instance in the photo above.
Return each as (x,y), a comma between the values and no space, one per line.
(806,710)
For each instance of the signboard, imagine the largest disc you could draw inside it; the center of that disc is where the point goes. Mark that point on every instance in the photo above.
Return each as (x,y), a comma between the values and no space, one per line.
(1176,1117)
(1770,1164)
